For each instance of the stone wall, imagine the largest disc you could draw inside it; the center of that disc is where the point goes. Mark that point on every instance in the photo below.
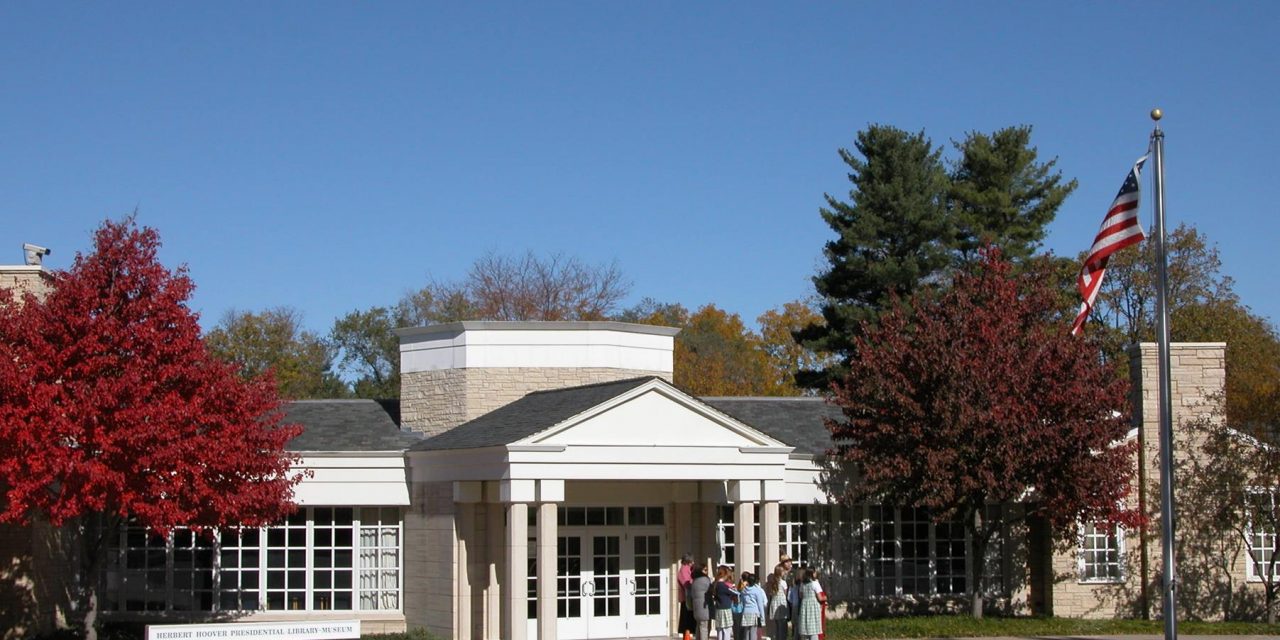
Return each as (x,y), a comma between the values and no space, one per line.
(429,558)
(38,565)
(432,402)
(22,279)
(1198,378)
(37,561)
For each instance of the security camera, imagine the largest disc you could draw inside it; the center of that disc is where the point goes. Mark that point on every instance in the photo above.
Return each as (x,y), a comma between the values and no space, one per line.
(35,253)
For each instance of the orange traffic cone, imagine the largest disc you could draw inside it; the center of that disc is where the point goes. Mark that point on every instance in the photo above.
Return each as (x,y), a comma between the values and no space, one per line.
(688,636)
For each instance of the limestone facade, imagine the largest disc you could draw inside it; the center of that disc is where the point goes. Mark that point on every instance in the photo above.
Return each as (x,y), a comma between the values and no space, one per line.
(1198,379)
(21,279)
(432,402)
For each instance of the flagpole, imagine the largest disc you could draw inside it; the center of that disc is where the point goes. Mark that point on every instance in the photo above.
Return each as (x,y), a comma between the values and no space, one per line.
(1170,582)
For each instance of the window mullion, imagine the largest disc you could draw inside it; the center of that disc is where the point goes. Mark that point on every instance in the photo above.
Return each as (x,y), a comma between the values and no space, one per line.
(932,545)
(897,551)
(168,571)
(308,597)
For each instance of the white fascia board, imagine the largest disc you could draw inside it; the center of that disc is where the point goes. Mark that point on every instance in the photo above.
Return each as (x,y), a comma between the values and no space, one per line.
(536,448)
(489,463)
(648,463)
(802,461)
(352,479)
(804,486)
(649,455)
(515,348)
(510,337)
(639,472)
(355,474)
(313,459)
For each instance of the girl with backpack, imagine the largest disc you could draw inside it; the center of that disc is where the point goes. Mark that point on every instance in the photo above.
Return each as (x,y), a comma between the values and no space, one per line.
(725,597)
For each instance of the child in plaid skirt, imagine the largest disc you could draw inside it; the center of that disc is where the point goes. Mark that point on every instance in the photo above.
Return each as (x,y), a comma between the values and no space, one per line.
(726,596)
(809,618)
(754,604)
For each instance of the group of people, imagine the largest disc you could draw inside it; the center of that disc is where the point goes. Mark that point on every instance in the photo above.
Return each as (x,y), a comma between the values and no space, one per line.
(742,610)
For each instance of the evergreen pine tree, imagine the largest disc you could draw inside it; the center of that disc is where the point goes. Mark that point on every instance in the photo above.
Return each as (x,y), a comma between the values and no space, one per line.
(891,236)
(1000,195)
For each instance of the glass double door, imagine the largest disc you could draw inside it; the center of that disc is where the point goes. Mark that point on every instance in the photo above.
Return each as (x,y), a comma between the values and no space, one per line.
(611,582)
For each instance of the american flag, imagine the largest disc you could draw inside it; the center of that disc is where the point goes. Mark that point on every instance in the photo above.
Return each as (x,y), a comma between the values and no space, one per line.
(1120,229)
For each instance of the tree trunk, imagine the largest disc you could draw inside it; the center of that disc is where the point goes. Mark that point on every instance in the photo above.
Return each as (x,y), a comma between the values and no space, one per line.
(1271,603)
(92,546)
(1228,600)
(978,552)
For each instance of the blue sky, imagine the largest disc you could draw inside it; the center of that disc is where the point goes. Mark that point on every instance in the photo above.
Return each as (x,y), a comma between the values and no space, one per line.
(331,156)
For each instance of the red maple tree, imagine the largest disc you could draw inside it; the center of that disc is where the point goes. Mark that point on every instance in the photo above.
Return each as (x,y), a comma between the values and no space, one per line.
(112,409)
(975,394)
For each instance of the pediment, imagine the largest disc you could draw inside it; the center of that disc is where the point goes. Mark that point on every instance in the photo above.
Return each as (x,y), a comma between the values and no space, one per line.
(654,415)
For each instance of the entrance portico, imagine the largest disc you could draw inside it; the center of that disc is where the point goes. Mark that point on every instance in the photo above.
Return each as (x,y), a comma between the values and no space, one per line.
(599,489)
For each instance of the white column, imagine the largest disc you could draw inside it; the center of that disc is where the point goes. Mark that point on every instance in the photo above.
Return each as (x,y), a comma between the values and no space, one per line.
(744,537)
(515,606)
(466,497)
(547,555)
(466,536)
(495,515)
(744,494)
(768,537)
(684,536)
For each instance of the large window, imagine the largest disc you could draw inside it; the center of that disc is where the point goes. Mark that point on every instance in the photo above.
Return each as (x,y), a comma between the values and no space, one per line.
(795,522)
(724,536)
(306,562)
(908,554)
(950,550)
(1263,511)
(793,532)
(380,558)
(1101,553)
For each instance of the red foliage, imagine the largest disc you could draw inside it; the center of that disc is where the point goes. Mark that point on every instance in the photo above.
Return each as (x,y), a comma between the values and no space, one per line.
(977,394)
(109,402)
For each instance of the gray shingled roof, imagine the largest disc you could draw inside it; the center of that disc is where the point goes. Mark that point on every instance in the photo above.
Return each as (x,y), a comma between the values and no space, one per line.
(348,425)
(371,425)
(533,413)
(795,421)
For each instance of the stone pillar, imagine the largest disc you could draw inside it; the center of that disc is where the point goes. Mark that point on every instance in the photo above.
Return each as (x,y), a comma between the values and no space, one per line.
(1198,376)
(744,494)
(744,536)
(684,536)
(768,537)
(517,495)
(466,495)
(515,610)
(494,529)
(772,492)
(550,493)
(547,570)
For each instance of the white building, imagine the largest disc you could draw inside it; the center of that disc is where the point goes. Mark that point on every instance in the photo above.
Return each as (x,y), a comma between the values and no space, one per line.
(520,451)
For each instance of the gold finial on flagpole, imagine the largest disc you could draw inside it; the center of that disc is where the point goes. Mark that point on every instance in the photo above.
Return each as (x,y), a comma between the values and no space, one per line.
(1156,114)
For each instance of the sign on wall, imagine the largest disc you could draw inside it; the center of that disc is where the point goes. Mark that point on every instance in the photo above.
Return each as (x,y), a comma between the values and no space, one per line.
(313,630)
